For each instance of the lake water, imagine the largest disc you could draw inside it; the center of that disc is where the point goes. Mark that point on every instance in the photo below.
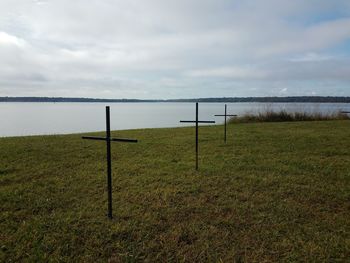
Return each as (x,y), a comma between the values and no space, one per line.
(18,119)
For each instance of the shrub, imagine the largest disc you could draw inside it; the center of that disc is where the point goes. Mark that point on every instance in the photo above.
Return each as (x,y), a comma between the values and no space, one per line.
(284,116)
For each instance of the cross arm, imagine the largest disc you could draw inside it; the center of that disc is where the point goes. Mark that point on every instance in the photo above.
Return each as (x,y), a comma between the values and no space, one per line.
(123,140)
(94,138)
(111,139)
(198,121)
(345,112)
(233,115)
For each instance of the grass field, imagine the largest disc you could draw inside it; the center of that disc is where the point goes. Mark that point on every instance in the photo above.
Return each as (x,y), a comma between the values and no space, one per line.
(275,192)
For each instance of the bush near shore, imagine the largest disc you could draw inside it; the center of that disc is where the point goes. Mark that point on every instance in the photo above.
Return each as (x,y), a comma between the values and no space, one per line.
(284,116)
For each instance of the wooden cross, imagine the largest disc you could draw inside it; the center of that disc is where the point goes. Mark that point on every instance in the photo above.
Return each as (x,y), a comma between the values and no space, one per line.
(226,115)
(108,140)
(197,121)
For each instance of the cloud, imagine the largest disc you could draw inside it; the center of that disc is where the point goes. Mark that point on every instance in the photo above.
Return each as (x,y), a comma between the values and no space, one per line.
(308,67)
(311,57)
(229,72)
(9,40)
(312,38)
(156,48)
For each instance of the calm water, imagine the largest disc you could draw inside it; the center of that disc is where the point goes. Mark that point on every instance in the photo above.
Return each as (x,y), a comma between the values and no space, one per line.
(17,119)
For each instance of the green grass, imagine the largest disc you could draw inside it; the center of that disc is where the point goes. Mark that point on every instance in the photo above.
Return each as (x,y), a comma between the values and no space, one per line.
(275,192)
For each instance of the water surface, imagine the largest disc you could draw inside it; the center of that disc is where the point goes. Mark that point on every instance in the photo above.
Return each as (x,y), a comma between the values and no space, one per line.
(18,119)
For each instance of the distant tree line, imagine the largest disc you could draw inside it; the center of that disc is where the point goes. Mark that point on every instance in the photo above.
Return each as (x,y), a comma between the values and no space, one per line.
(62,99)
(299,99)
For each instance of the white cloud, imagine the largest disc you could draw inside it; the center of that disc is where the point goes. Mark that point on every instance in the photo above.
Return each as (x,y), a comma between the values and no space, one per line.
(311,57)
(171,48)
(9,40)
(309,39)
(229,72)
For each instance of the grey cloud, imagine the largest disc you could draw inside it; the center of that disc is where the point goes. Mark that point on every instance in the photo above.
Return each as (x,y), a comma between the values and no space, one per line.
(300,69)
(177,48)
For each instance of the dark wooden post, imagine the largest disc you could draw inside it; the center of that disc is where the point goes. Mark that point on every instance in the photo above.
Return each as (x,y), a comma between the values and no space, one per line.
(197,122)
(108,140)
(197,136)
(225,121)
(109,162)
(225,125)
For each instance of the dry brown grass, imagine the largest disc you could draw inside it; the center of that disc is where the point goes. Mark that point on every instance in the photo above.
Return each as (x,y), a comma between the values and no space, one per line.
(284,116)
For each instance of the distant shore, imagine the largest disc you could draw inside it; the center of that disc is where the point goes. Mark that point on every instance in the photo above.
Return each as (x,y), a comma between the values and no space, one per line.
(293,99)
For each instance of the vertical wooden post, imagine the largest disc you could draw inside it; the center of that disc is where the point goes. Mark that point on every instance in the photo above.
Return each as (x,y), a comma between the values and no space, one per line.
(197,122)
(108,140)
(225,121)
(109,163)
(225,124)
(196,135)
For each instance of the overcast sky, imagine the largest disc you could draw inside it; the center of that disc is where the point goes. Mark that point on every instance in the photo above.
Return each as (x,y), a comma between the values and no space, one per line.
(174,48)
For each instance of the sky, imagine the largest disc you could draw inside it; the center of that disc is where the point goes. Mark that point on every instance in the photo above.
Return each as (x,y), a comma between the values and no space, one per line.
(165,49)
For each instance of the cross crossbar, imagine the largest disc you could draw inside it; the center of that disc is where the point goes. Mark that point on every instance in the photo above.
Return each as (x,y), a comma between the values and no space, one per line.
(94,138)
(108,140)
(346,112)
(225,115)
(111,139)
(198,121)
